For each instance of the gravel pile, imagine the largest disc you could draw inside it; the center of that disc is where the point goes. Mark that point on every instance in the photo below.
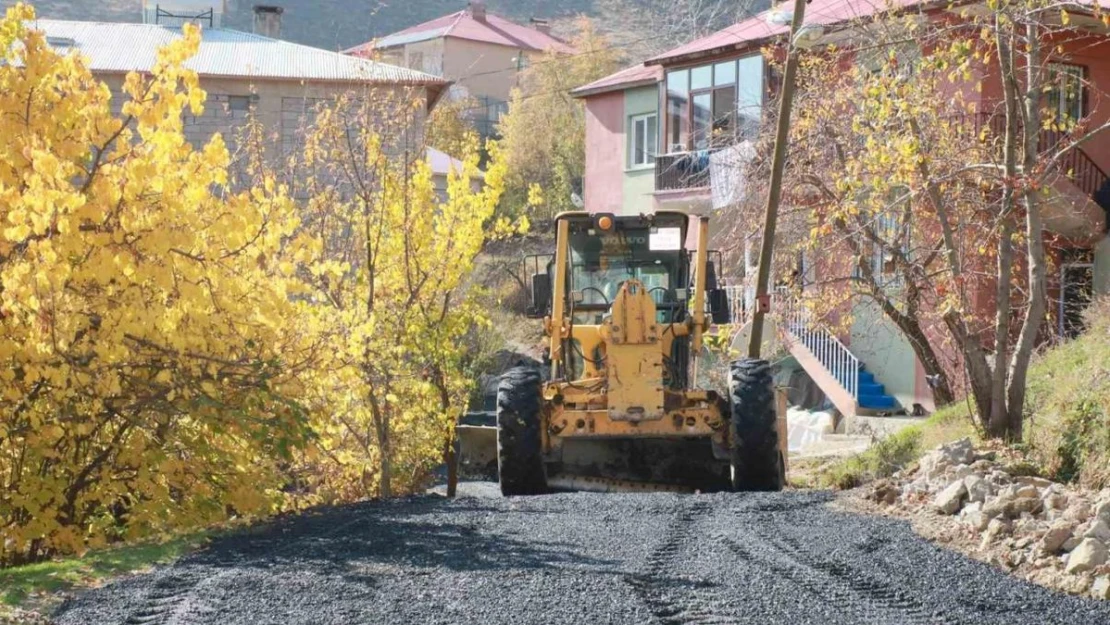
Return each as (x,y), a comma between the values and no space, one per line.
(1047,532)
(759,559)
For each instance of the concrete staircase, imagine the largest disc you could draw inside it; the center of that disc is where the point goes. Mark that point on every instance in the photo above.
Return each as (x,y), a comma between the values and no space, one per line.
(834,368)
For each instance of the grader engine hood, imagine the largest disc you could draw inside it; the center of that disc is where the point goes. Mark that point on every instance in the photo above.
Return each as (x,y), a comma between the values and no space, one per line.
(634,364)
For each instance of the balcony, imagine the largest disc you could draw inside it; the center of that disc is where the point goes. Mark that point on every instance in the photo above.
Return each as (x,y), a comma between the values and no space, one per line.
(682,171)
(1076,165)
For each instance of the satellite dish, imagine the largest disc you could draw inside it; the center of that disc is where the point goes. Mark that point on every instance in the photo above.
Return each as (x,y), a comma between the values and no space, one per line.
(577,200)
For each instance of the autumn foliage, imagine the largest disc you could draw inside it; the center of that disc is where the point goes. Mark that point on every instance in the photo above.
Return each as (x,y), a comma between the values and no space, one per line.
(177,349)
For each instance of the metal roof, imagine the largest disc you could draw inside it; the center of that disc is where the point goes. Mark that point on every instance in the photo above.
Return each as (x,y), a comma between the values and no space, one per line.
(463,25)
(756,29)
(635,76)
(115,47)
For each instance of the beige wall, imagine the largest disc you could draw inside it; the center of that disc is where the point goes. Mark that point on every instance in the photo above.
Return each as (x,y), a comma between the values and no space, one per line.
(282,106)
(430,58)
(482,69)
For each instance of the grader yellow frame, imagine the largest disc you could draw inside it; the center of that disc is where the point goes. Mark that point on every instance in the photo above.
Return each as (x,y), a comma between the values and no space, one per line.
(619,408)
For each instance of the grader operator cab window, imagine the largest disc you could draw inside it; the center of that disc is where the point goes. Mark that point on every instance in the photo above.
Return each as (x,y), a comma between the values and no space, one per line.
(601,261)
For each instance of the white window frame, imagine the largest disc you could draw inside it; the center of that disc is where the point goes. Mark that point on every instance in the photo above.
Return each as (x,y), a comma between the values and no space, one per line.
(650,143)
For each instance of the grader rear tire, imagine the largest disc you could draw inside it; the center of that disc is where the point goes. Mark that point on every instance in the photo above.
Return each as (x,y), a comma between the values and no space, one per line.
(520,467)
(757,464)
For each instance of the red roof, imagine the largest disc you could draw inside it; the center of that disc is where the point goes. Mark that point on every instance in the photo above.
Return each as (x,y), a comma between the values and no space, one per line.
(824,12)
(462,25)
(634,76)
(757,29)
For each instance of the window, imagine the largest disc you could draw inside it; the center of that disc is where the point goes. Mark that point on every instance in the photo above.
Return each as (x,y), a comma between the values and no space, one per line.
(416,60)
(643,139)
(713,104)
(1065,91)
(239,103)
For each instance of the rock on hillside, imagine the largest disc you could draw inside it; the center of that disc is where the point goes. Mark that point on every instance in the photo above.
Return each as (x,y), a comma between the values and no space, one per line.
(1052,534)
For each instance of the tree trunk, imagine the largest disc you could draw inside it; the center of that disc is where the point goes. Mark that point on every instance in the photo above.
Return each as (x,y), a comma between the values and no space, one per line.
(385,483)
(998,420)
(1034,236)
(451,459)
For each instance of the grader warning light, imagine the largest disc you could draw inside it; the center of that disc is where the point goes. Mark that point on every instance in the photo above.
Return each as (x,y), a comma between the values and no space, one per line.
(617,403)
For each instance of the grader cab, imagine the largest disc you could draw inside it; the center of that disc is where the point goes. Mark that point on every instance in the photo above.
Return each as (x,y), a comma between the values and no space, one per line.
(616,406)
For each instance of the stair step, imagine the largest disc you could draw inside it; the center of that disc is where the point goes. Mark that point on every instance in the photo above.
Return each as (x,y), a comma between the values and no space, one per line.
(876,402)
(871,389)
(866,377)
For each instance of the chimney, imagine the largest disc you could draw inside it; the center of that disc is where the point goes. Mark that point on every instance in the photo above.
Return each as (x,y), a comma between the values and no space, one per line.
(478,10)
(541,25)
(267,20)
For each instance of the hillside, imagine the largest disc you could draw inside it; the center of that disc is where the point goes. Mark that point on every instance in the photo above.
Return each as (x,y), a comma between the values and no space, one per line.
(329,24)
(341,24)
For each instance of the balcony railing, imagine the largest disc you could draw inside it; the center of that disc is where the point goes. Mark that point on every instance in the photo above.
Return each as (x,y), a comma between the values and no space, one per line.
(682,170)
(1076,164)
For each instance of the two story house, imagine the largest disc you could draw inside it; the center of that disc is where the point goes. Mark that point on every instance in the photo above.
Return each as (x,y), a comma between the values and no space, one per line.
(651,140)
(481,53)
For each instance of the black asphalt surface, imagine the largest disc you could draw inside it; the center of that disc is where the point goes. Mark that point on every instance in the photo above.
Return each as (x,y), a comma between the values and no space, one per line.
(759,559)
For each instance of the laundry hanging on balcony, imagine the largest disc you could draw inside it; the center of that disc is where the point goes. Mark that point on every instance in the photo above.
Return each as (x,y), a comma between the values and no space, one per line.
(727,170)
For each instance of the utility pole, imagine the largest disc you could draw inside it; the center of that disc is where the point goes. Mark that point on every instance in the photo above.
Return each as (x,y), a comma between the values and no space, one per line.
(774,195)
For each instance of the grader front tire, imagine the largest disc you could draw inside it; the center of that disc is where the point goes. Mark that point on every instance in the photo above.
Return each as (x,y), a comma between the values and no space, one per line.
(757,463)
(520,466)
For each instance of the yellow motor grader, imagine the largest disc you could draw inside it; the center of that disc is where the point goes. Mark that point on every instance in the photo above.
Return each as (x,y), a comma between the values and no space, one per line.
(615,405)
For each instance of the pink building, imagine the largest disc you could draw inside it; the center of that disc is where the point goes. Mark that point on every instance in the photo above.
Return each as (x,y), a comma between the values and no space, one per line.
(651,135)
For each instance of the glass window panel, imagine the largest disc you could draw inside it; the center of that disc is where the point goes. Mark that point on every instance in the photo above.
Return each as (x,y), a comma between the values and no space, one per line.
(701,78)
(651,141)
(678,83)
(724,112)
(703,120)
(749,94)
(678,124)
(724,73)
(638,141)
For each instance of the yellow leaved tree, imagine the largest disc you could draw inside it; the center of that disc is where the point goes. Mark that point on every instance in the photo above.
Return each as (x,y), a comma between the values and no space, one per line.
(388,281)
(148,343)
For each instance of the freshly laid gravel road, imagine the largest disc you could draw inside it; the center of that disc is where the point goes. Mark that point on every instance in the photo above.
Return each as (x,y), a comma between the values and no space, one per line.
(759,559)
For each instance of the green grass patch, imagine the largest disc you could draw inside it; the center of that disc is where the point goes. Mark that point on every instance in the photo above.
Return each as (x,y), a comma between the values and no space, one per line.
(1068,426)
(897,451)
(22,583)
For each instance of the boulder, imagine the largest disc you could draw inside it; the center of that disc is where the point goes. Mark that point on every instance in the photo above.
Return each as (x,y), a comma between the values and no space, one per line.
(1058,533)
(995,529)
(1071,543)
(960,472)
(936,462)
(978,489)
(1098,529)
(973,516)
(1026,505)
(1079,511)
(949,500)
(1055,501)
(959,452)
(1102,511)
(1027,490)
(1101,588)
(1037,482)
(1090,553)
(1007,506)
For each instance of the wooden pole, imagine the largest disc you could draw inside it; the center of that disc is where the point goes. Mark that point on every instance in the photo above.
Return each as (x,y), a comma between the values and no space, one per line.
(774,195)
